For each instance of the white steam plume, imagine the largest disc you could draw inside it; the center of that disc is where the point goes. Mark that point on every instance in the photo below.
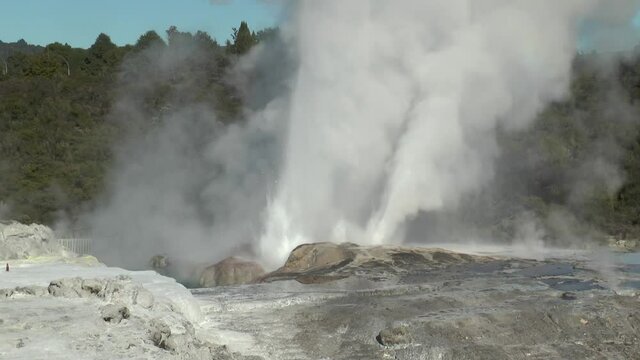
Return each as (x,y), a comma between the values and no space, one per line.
(396,103)
(188,187)
(392,110)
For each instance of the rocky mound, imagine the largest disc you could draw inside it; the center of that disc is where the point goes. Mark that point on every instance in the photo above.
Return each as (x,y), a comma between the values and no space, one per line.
(20,241)
(322,262)
(121,319)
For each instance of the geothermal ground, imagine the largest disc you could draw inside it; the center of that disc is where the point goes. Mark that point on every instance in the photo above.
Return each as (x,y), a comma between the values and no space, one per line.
(432,304)
(332,302)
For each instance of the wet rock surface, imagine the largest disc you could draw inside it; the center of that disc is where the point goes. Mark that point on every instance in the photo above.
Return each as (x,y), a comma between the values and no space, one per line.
(395,303)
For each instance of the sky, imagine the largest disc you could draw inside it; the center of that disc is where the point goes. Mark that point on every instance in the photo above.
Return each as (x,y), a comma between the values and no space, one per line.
(597,37)
(78,22)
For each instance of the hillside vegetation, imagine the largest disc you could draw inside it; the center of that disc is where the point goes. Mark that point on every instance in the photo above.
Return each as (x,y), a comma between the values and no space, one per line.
(59,131)
(57,126)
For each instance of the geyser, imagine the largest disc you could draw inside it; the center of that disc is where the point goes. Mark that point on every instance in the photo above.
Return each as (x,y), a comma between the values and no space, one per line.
(395,107)
(391,109)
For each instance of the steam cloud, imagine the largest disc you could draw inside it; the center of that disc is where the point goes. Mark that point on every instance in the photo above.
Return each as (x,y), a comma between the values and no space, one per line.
(392,109)
(191,188)
(396,106)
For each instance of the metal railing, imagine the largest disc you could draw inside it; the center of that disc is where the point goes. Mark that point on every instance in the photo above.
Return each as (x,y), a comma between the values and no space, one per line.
(80,246)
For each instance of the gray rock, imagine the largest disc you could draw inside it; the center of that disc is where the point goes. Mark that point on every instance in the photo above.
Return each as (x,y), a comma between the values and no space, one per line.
(32,290)
(23,291)
(69,288)
(159,333)
(20,241)
(115,290)
(121,290)
(175,342)
(144,298)
(394,336)
(114,313)
(175,334)
(93,286)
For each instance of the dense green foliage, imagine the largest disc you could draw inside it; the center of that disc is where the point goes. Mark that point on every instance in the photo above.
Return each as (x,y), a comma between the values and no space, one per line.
(243,40)
(20,46)
(59,126)
(577,169)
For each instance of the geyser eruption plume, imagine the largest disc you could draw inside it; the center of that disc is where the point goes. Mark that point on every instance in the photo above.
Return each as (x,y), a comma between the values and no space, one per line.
(390,110)
(396,104)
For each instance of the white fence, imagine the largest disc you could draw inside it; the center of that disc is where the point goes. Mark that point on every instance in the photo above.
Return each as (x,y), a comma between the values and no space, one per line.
(81,246)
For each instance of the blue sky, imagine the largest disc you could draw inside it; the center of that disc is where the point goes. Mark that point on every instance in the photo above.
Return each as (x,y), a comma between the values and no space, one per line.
(596,36)
(78,22)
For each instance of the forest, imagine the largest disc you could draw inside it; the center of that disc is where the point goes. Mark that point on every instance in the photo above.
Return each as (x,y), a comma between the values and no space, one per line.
(59,131)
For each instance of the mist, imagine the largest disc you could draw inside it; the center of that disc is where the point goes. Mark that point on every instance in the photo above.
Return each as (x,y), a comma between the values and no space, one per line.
(185,184)
(379,114)
(396,107)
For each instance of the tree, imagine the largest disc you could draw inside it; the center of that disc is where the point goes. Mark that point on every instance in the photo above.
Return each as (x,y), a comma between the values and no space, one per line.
(102,46)
(202,38)
(266,34)
(102,56)
(148,39)
(243,39)
(176,37)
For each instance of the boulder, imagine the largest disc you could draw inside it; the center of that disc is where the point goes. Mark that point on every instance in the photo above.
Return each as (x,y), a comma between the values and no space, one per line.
(68,288)
(22,291)
(20,241)
(394,336)
(326,262)
(121,290)
(231,271)
(144,298)
(309,257)
(172,333)
(115,313)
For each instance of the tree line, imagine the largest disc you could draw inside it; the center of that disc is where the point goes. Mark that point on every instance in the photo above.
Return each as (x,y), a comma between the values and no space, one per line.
(56,135)
(581,158)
